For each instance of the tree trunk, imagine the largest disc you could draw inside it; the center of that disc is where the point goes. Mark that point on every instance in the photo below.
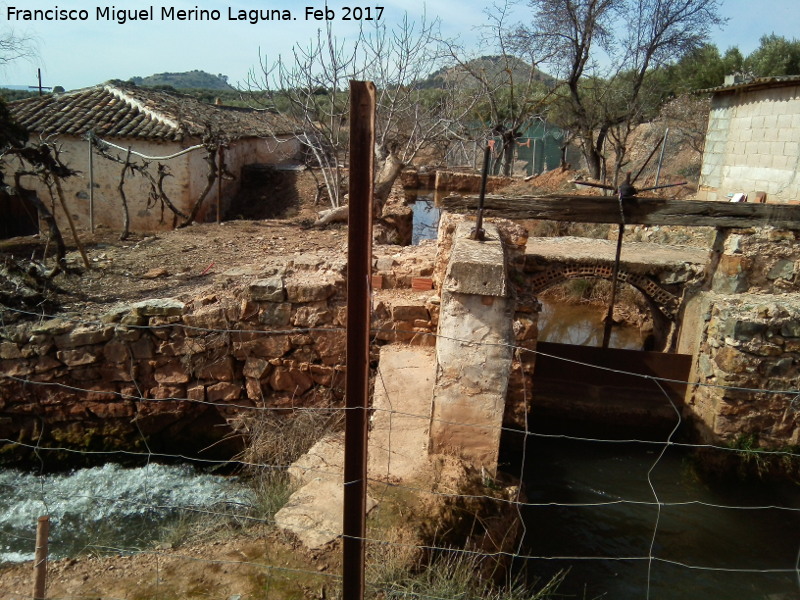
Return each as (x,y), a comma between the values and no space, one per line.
(386,175)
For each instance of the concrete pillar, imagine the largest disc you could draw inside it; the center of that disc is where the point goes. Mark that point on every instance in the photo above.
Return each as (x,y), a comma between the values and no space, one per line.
(473,351)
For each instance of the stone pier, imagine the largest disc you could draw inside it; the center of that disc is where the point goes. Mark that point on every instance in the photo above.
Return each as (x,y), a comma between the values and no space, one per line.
(473,351)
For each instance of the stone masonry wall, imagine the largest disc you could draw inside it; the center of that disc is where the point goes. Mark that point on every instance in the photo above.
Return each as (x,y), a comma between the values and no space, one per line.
(750,342)
(758,260)
(177,373)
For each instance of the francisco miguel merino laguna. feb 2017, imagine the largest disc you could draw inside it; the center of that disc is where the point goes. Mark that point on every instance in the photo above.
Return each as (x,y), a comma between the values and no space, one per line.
(170,13)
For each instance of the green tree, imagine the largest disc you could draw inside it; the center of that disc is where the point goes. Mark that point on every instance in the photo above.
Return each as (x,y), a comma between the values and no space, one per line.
(774,56)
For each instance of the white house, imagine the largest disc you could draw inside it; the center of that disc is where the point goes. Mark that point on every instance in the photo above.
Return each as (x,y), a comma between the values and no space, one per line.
(155,124)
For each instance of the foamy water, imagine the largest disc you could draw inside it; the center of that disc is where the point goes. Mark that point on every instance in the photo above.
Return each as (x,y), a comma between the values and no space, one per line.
(104,507)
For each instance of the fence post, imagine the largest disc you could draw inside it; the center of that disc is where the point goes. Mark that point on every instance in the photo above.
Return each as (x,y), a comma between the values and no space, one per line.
(40,558)
(359,270)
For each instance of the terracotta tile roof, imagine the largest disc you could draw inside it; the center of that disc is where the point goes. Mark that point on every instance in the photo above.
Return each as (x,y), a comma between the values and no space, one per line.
(121,110)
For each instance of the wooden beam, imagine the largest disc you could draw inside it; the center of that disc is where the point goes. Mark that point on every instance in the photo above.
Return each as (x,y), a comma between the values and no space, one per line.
(637,211)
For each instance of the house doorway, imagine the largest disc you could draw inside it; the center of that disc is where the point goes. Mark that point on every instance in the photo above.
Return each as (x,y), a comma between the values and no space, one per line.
(18,216)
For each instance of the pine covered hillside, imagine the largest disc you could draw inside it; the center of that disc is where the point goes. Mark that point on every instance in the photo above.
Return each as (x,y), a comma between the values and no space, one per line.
(494,68)
(185,80)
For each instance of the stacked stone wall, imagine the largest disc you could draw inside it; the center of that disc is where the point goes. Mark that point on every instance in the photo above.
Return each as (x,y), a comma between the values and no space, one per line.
(758,261)
(177,374)
(749,353)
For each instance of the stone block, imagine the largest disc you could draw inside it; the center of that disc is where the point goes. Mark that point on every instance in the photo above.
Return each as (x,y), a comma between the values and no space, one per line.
(331,346)
(116,352)
(291,380)
(196,393)
(45,364)
(171,373)
(54,327)
(16,368)
(275,315)
(309,290)
(477,267)
(219,370)
(168,392)
(312,316)
(208,318)
(255,368)
(268,290)
(111,410)
(83,336)
(409,312)
(266,346)
(223,392)
(253,389)
(9,350)
(159,307)
(79,357)
(247,309)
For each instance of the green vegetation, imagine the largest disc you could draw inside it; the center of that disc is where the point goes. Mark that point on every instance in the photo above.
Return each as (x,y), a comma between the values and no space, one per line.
(198,80)
(765,463)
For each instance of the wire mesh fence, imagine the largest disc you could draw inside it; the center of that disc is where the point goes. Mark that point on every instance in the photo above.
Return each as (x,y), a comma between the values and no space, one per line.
(159,534)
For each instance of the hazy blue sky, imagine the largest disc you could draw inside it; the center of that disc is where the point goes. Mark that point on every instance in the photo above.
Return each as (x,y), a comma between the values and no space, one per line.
(82,53)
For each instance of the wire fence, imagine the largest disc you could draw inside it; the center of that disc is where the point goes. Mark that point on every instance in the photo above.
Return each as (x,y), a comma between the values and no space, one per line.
(240,512)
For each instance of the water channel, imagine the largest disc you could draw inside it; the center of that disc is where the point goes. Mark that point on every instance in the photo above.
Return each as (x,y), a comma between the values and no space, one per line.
(592,506)
(107,507)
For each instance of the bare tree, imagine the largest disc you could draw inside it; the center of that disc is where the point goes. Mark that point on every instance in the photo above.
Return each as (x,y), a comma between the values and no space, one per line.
(15,47)
(509,86)
(309,94)
(605,50)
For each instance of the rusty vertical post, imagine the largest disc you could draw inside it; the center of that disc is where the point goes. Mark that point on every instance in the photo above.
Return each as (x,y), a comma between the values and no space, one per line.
(91,183)
(479,233)
(359,270)
(220,160)
(40,558)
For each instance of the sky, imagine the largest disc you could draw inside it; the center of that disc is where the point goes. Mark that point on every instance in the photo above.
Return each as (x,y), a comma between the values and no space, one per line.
(80,53)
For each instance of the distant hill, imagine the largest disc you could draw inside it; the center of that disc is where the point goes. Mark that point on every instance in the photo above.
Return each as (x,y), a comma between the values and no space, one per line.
(493,66)
(186,80)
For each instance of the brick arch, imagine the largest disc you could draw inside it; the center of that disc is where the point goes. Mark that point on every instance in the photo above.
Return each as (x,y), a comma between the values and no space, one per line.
(666,302)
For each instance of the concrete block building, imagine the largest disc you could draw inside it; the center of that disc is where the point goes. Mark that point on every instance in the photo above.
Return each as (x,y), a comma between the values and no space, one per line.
(753,140)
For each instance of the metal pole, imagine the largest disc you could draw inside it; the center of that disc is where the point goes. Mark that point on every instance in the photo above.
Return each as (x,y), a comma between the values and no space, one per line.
(479,233)
(661,156)
(91,184)
(220,159)
(40,558)
(359,270)
(609,323)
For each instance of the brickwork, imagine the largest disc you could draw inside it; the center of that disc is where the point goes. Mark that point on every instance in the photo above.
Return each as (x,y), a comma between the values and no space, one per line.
(556,274)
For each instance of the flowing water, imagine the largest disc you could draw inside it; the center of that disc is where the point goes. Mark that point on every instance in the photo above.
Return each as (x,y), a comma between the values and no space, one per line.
(704,548)
(105,507)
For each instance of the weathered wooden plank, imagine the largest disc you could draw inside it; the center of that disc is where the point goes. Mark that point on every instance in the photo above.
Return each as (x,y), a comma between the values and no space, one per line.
(637,211)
